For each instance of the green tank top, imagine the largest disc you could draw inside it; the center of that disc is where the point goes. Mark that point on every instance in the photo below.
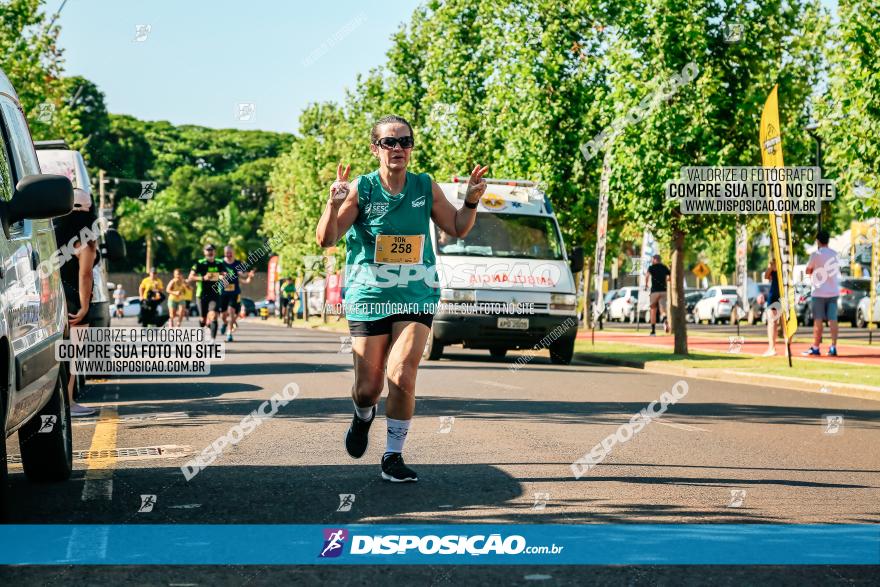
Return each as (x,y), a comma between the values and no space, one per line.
(377,290)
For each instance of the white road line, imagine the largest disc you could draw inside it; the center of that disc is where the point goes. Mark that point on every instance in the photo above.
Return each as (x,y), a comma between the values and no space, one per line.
(685,427)
(97,488)
(496,384)
(135,418)
(84,541)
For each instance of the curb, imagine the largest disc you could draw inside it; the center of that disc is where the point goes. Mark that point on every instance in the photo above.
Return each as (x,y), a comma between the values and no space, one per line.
(730,375)
(299,326)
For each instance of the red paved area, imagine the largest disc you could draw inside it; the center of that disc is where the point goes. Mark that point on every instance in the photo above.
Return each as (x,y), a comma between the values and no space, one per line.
(857,354)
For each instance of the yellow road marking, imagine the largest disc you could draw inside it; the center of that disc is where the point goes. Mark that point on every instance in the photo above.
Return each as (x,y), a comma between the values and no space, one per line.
(99,475)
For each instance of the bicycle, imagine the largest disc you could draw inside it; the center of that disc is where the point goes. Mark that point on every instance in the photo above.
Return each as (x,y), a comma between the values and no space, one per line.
(288,314)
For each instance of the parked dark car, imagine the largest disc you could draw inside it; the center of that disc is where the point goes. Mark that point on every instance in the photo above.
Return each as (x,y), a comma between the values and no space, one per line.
(852,290)
(691,297)
(801,304)
(250,309)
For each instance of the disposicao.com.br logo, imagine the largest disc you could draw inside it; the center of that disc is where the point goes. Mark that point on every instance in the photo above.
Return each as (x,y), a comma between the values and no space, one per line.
(334,541)
(401,544)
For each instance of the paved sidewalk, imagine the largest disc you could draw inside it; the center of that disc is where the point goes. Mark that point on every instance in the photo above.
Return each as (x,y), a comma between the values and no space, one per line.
(867,355)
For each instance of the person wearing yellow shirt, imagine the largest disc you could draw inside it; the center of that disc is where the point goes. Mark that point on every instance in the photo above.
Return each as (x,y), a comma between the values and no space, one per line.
(176,303)
(187,298)
(150,283)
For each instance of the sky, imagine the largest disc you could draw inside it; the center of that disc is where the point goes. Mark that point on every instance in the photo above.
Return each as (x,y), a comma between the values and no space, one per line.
(202,58)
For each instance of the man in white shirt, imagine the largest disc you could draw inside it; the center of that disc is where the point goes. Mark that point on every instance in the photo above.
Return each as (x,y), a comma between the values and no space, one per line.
(824,273)
(119,299)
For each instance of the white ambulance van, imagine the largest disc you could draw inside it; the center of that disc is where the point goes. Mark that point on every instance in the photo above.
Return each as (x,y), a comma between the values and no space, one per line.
(509,284)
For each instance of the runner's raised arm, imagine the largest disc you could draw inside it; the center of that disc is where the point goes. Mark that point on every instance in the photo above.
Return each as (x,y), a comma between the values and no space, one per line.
(341,209)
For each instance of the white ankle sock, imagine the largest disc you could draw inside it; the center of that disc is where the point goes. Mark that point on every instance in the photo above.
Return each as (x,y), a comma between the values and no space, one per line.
(397,431)
(363,413)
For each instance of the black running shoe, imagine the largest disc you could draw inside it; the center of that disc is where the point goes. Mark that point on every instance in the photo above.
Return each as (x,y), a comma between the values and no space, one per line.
(395,470)
(357,437)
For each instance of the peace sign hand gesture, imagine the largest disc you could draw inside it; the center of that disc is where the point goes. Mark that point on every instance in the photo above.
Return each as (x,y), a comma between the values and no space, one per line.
(340,188)
(476,186)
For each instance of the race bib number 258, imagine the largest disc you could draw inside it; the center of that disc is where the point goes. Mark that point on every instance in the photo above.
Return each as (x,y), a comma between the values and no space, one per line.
(399,249)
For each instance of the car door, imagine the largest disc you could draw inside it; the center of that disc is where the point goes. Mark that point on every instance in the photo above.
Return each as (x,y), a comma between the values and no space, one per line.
(617,305)
(713,303)
(33,308)
(704,305)
(876,315)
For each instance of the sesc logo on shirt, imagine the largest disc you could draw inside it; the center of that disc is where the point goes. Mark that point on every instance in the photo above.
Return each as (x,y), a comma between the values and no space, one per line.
(377,209)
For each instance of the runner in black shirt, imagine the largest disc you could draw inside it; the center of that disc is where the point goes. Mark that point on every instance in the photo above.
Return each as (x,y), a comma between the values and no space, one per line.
(657,278)
(230,297)
(207,272)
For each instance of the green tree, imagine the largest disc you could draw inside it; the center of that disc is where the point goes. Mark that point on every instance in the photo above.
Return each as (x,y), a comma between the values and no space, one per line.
(501,82)
(713,120)
(849,114)
(230,227)
(30,56)
(300,181)
(155,221)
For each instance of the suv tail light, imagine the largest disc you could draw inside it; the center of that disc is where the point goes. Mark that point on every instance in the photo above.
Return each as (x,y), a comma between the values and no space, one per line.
(724,301)
(845,292)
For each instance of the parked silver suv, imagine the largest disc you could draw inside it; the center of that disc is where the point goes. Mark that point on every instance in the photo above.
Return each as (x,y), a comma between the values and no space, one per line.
(33,316)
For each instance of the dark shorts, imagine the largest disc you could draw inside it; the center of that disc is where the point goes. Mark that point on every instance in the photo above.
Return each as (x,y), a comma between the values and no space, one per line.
(230,299)
(208,304)
(383,325)
(824,308)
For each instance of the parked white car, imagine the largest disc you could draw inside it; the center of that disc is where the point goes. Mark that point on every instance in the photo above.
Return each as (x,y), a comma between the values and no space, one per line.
(33,313)
(717,304)
(862,313)
(623,306)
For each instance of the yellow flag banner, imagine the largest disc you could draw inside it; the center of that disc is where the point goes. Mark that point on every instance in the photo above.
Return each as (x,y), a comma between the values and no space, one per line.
(780,224)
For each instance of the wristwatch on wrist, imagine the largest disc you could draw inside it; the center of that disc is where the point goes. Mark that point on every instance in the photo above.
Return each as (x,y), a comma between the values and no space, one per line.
(471,205)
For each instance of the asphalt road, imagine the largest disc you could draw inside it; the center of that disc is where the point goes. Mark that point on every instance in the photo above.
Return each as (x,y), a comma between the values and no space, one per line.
(515,433)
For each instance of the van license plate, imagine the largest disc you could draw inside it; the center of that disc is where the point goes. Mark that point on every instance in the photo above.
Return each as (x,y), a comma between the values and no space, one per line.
(513,323)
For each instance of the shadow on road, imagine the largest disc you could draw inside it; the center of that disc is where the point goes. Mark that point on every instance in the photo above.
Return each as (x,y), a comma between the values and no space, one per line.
(202,399)
(159,389)
(311,495)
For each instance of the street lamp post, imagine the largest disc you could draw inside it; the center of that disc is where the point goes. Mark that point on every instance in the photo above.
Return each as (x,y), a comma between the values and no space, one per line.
(812,128)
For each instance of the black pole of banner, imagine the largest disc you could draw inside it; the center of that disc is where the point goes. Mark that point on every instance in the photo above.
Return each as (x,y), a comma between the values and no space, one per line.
(870,336)
(788,349)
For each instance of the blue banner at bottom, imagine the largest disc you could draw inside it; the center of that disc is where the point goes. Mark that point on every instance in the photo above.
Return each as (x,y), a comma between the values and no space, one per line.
(474,544)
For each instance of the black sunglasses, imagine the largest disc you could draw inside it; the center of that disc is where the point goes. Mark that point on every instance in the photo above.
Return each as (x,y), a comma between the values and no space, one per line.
(390,143)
